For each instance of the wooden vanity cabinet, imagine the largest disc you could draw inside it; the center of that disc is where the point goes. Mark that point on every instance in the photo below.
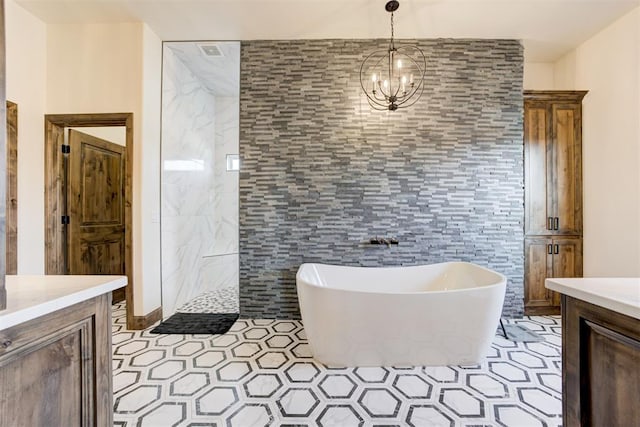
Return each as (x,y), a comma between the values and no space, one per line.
(600,366)
(553,193)
(55,370)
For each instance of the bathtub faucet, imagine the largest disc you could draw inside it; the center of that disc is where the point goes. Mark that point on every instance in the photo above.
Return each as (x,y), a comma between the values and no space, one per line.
(383,241)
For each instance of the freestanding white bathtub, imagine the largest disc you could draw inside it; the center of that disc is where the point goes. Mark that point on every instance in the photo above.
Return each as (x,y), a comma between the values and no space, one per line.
(440,314)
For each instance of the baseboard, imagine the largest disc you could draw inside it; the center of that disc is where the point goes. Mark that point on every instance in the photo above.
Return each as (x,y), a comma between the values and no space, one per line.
(542,311)
(143,322)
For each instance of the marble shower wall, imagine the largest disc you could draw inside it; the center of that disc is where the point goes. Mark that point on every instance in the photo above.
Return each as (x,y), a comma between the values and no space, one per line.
(199,213)
(226,182)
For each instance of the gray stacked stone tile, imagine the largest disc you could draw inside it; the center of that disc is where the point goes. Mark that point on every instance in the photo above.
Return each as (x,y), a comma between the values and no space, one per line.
(322,172)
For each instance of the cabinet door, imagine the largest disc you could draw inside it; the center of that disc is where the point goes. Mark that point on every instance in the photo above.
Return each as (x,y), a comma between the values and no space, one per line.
(601,379)
(48,377)
(566,168)
(567,260)
(538,264)
(537,155)
(55,370)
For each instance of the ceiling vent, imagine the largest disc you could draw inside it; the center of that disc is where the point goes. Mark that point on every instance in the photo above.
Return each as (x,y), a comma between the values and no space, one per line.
(210,50)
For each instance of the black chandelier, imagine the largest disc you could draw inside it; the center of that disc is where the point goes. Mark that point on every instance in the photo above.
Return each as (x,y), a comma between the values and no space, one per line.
(392,78)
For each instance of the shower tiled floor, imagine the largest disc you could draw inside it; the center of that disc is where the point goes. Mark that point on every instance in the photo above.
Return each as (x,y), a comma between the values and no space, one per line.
(223,300)
(261,373)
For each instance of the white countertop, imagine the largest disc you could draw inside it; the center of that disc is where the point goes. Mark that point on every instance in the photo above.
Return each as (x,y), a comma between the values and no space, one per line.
(29,297)
(621,295)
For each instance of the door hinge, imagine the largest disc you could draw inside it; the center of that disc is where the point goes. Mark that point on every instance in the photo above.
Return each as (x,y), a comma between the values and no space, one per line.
(66,149)
(65,219)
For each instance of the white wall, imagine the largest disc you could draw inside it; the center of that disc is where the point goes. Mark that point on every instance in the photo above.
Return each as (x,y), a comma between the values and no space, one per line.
(94,68)
(103,68)
(538,75)
(608,65)
(26,83)
(150,164)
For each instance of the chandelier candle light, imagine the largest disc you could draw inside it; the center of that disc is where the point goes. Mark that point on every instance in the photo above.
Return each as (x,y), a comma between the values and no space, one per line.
(392,78)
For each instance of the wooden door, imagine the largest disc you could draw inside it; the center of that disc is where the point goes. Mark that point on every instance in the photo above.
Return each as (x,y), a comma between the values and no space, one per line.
(566,180)
(95,206)
(12,189)
(537,137)
(3,291)
(538,264)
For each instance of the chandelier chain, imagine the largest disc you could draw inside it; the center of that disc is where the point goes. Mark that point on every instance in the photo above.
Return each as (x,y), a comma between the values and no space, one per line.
(391,44)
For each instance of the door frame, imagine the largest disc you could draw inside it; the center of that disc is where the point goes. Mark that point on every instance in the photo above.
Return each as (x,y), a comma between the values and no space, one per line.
(54,125)
(12,189)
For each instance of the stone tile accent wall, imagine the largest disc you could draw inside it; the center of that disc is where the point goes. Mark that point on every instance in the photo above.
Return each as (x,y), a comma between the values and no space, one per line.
(322,172)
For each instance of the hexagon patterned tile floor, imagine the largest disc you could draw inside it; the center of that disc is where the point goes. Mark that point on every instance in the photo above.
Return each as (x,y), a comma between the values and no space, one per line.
(261,374)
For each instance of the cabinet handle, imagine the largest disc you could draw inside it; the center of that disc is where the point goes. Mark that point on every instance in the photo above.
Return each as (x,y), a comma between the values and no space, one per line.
(549,249)
(556,249)
(556,223)
(549,223)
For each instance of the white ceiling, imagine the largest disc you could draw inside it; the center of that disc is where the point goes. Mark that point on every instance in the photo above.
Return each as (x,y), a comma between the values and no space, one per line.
(548,28)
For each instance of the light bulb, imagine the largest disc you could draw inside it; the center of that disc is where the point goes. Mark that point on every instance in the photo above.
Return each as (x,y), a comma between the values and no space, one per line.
(399,64)
(374,78)
(386,84)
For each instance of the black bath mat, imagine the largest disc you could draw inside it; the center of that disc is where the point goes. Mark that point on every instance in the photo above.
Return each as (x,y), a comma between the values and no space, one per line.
(196,323)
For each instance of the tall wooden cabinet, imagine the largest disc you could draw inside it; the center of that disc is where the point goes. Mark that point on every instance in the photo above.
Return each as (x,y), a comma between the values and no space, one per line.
(553,194)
